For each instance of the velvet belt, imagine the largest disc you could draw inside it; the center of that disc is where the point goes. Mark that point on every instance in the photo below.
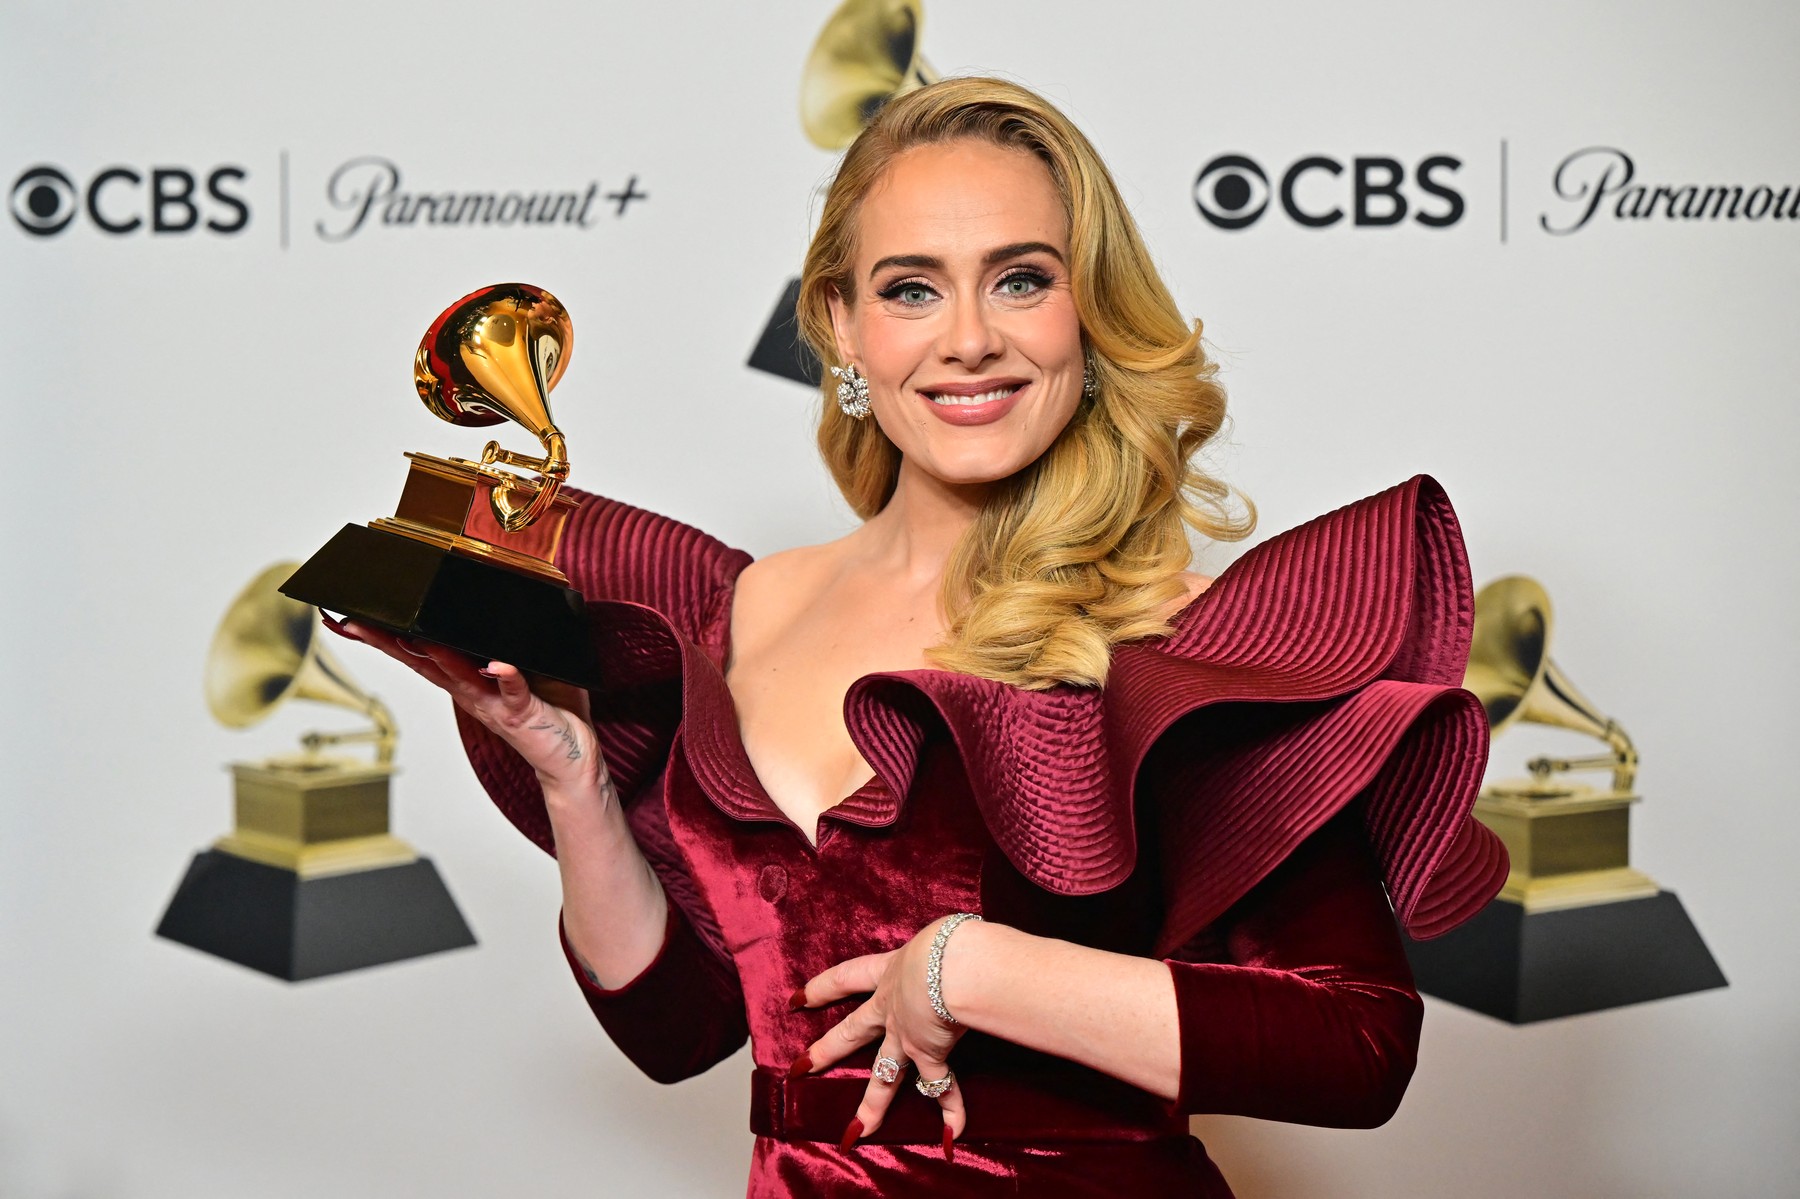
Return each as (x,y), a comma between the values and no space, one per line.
(1080,1106)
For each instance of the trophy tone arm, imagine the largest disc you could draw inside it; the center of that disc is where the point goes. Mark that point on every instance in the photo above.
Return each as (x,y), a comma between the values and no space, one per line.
(553,469)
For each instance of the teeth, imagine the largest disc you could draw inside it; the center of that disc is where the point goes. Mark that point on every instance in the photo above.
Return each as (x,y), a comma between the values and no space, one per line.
(999,393)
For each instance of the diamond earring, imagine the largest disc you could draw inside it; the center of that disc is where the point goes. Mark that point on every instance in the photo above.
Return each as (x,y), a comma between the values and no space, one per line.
(1090,386)
(852,391)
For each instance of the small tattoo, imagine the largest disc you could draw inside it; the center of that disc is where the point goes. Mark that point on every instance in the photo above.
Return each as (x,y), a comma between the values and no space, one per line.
(562,734)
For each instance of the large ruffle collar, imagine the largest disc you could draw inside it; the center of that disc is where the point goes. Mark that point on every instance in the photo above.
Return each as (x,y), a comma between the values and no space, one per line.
(1321,668)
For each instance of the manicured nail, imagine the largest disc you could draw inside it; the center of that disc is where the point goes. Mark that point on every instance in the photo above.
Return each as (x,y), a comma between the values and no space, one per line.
(797,1000)
(485,673)
(949,1145)
(851,1132)
(802,1065)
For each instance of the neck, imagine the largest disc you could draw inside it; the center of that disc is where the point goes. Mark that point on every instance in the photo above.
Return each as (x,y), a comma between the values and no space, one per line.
(915,534)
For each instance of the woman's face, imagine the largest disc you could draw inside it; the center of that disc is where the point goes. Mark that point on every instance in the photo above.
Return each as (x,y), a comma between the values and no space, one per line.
(962,317)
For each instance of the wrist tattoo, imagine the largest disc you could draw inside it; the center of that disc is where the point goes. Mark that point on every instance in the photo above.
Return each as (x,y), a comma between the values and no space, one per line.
(563,734)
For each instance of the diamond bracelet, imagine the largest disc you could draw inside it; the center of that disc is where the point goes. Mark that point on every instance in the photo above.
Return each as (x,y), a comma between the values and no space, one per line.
(934,965)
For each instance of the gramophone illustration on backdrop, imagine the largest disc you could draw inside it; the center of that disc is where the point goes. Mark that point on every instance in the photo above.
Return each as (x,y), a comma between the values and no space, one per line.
(867,54)
(468,560)
(1576,928)
(310,881)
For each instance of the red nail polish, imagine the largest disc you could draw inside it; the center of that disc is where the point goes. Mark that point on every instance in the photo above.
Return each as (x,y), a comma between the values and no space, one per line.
(797,1000)
(949,1145)
(802,1065)
(851,1132)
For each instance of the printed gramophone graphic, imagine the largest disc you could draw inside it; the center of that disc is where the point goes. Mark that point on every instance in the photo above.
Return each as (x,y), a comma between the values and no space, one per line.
(1576,928)
(468,560)
(310,881)
(867,54)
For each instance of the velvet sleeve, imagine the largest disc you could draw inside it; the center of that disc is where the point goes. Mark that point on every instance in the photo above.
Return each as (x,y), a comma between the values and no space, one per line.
(647,579)
(1312,1017)
(682,1014)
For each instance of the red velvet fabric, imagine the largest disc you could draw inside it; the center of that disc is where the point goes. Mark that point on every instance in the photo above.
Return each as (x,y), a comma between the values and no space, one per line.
(1299,742)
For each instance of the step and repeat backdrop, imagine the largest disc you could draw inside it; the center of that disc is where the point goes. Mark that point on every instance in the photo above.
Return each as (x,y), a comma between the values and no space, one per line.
(1549,254)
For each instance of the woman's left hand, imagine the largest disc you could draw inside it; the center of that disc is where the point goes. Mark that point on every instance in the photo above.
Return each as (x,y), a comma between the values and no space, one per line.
(900,1016)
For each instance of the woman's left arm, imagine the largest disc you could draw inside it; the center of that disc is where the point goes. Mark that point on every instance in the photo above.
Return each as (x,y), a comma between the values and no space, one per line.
(1313,1019)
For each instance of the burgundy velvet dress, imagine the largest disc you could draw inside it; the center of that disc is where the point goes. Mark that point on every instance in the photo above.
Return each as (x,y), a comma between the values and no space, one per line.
(1252,799)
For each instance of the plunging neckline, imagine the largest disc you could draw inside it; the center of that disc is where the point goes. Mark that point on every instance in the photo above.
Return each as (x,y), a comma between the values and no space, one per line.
(761,792)
(874,783)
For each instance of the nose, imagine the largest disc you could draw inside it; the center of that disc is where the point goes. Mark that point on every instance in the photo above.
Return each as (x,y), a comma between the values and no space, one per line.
(970,336)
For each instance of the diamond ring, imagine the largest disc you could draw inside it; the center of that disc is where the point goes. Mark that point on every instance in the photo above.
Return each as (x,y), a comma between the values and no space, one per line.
(933,1088)
(888,1069)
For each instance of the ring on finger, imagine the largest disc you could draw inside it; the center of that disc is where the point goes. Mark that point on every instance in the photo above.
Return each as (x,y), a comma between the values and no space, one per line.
(932,1088)
(888,1069)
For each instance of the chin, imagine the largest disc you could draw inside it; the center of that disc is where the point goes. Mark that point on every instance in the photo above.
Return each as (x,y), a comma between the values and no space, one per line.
(970,469)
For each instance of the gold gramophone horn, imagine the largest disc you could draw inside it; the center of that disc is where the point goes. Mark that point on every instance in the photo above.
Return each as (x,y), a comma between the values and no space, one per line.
(267,651)
(493,356)
(1512,673)
(867,54)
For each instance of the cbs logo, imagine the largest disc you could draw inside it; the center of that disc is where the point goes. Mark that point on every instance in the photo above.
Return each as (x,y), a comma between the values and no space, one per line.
(120,200)
(1233,192)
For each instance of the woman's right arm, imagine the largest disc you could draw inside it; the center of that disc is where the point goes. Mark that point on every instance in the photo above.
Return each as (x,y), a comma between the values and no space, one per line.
(664,997)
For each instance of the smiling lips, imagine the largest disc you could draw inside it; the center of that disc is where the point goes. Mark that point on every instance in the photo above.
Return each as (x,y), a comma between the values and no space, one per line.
(978,402)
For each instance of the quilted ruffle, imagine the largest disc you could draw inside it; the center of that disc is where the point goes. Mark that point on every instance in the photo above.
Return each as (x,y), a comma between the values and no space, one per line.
(1322,666)
(1320,669)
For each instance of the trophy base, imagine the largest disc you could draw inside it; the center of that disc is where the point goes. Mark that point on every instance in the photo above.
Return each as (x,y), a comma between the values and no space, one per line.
(416,589)
(780,350)
(1523,966)
(297,928)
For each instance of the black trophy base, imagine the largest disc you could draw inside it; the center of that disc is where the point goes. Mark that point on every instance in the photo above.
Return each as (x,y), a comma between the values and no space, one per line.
(420,590)
(1522,967)
(295,928)
(781,351)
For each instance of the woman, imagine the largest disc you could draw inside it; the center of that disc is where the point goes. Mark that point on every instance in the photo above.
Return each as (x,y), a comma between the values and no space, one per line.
(1003,696)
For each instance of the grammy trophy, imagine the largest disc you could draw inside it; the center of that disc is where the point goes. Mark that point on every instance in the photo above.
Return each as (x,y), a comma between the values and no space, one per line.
(468,560)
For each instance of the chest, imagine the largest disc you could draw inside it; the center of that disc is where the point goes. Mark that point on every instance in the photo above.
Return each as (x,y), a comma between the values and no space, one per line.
(788,679)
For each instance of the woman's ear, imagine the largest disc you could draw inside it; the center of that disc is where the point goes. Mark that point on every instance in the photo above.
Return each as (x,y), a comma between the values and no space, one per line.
(840,325)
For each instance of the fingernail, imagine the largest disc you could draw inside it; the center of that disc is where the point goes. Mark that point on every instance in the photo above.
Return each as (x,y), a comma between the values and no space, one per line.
(949,1145)
(485,673)
(802,1065)
(797,1000)
(851,1132)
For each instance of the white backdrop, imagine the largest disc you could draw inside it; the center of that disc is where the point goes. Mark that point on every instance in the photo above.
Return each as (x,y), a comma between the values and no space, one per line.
(1612,411)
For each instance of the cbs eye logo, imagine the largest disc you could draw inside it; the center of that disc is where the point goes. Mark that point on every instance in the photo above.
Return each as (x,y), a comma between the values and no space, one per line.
(121,199)
(44,201)
(1232,192)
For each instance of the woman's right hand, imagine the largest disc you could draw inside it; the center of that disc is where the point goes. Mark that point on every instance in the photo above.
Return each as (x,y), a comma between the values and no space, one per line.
(549,727)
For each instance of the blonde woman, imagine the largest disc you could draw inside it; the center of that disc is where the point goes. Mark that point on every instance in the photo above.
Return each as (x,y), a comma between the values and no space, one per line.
(1006,841)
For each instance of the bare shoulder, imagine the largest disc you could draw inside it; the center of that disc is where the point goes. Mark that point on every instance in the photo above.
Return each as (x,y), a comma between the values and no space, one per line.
(785,568)
(774,587)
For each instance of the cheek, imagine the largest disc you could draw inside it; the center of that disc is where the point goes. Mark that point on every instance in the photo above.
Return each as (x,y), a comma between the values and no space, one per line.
(894,358)
(1055,338)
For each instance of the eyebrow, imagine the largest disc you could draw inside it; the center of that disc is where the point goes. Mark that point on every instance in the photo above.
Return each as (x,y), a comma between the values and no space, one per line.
(927,262)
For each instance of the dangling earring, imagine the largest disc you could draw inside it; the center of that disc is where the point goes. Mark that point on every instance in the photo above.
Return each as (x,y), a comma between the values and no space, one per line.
(1090,386)
(853,391)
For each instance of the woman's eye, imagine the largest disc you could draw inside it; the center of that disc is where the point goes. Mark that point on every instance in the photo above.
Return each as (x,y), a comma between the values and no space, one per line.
(909,295)
(1024,283)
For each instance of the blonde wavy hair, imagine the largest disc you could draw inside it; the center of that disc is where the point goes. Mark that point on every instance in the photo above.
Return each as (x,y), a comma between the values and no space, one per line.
(1084,548)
